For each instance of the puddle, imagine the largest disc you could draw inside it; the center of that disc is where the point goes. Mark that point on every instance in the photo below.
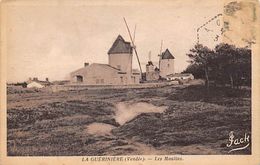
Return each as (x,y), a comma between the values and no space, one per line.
(127,111)
(99,129)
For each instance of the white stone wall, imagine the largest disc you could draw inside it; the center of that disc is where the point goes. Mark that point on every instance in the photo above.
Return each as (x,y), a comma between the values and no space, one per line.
(166,67)
(149,68)
(96,74)
(151,74)
(121,61)
(34,85)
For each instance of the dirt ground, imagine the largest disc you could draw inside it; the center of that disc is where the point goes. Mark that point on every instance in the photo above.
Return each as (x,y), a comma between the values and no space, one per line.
(167,120)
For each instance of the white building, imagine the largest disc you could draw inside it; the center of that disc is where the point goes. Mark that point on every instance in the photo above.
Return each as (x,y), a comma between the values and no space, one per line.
(180,76)
(118,71)
(151,72)
(35,83)
(166,64)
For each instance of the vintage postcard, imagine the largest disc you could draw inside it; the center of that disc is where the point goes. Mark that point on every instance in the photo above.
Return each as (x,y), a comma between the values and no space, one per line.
(119,82)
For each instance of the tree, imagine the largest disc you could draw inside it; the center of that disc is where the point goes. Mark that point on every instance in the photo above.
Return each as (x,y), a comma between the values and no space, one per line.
(234,64)
(226,64)
(225,60)
(196,70)
(202,56)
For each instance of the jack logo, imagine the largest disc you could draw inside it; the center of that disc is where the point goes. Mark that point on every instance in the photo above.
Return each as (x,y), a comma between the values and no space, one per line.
(239,143)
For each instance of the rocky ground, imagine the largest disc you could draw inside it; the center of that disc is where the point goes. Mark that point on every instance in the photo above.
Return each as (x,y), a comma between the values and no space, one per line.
(168,120)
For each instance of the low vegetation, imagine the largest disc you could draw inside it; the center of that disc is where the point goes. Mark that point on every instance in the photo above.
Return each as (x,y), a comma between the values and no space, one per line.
(195,121)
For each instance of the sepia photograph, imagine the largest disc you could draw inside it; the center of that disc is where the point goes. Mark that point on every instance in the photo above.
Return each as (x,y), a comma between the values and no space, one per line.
(125,78)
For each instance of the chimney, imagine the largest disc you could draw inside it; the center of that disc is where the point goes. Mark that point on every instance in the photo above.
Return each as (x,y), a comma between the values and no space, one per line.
(47,79)
(30,79)
(86,64)
(35,79)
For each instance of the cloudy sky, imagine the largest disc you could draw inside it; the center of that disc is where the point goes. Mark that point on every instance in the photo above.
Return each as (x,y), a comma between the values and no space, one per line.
(52,39)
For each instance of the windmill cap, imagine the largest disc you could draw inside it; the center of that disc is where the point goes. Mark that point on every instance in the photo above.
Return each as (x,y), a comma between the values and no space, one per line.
(167,55)
(120,46)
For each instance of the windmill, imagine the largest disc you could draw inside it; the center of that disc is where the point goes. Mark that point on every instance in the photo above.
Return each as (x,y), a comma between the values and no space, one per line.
(149,59)
(134,47)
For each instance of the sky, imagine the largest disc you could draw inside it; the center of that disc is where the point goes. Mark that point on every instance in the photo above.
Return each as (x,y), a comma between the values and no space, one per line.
(53,39)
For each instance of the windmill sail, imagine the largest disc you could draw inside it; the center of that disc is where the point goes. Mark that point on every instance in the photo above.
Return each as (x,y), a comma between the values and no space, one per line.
(134,47)
(160,55)
(134,35)
(161,48)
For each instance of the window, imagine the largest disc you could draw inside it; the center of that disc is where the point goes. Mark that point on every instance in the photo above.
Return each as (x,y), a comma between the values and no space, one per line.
(79,78)
(102,81)
(168,65)
(121,79)
(97,81)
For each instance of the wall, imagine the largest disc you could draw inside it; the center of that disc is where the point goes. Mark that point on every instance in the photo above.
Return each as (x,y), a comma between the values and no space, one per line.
(151,74)
(149,68)
(56,88)
(166,67)
(154,75)
(96,74)
(34,85)
(100,74)
(135,79)
(123,59)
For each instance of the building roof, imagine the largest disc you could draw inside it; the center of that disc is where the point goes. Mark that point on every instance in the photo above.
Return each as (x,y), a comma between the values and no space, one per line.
(39,82)
(106,65)
(167,55)
(93,65)
(120,46)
